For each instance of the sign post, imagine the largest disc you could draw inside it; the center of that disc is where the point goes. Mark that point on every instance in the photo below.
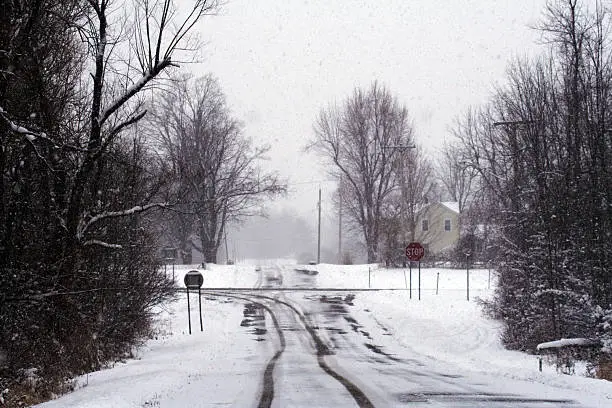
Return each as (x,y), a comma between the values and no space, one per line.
(410,269)
(419,279)
(467,268)
(169,256)
(414,252)
(194,279)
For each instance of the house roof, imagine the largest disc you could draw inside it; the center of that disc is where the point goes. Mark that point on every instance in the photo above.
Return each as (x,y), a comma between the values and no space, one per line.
(451,205)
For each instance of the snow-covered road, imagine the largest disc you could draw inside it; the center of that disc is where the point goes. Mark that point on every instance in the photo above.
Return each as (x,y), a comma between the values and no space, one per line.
(336,348)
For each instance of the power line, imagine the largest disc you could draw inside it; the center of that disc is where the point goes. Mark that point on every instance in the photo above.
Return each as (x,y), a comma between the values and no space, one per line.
(314,181)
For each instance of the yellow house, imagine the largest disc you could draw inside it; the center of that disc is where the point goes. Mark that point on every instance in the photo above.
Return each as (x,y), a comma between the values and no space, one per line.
(437,226)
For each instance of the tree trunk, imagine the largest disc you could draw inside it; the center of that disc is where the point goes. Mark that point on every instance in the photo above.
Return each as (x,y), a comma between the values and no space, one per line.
(187,255)
(209,249)
(208,243)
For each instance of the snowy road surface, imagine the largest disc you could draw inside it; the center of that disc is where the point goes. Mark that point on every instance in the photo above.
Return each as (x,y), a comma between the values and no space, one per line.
(330,348)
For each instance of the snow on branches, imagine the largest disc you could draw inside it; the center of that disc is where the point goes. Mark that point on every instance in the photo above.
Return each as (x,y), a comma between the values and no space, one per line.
(84,226)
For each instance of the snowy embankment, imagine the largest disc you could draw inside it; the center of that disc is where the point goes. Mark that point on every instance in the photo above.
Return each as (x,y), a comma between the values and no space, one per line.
(447,327)
(166,367)
(444,328)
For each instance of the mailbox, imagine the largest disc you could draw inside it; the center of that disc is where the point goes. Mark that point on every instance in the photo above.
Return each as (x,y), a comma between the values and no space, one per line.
(193,279)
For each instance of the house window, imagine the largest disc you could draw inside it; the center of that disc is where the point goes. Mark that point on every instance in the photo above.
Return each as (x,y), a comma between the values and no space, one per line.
(447,225)
(425,225)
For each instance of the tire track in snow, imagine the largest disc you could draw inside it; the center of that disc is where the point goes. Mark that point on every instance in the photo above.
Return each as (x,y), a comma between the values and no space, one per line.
(322,350)
(267,395)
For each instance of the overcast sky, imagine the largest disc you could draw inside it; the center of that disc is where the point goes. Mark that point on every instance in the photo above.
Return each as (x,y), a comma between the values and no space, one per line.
(280,61)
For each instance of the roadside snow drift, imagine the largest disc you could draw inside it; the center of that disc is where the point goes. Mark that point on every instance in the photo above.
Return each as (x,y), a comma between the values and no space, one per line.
(218,367)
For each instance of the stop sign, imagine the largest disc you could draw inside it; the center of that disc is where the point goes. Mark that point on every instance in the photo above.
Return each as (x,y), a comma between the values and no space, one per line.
(415,251)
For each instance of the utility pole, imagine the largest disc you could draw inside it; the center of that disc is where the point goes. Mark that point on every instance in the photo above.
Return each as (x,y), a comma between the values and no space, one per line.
(319,231)
(402,148)
(340,222)
(403,198)
(226,251)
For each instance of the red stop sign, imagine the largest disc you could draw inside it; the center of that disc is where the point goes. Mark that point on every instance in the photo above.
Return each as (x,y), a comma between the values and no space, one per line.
(415,251)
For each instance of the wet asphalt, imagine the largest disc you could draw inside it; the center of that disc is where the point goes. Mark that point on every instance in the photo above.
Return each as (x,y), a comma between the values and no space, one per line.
(325,357)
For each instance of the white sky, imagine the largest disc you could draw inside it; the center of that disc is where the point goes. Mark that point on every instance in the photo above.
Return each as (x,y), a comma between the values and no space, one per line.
(280,61)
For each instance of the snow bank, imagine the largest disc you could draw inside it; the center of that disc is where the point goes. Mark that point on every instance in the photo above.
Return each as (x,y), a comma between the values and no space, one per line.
(443,330)
(568,342)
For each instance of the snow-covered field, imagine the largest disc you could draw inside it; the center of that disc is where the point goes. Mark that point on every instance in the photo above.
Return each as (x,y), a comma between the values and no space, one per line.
(444,328)
(450,328)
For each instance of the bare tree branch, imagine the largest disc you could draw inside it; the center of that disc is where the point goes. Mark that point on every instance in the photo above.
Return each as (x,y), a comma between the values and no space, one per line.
(355,139)
(85,225)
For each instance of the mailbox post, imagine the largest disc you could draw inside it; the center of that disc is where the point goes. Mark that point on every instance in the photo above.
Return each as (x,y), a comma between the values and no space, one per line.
(194,280)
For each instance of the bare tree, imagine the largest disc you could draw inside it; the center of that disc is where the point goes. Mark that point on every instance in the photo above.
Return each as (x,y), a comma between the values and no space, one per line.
(355,138)
(543,154)
(77,249)
(417,184)
(157,36)
(456,174)
(216,167)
